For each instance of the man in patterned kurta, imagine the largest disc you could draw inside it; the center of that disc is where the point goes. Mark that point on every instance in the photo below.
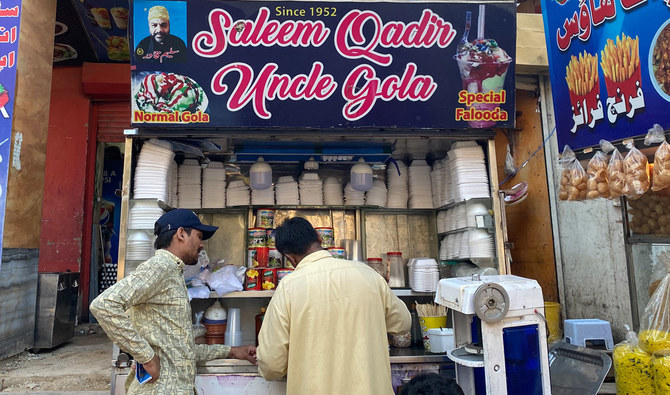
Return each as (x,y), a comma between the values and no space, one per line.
(148,315)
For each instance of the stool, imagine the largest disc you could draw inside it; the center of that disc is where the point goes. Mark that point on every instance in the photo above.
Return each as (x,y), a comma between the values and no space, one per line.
(578,331)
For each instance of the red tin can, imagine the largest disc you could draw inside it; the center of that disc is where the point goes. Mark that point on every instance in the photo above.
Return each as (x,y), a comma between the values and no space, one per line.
(269,279)
(281,273)
(253,279)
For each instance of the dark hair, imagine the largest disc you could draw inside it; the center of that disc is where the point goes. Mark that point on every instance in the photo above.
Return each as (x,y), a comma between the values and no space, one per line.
(295,236)
(165,239)
(431,384)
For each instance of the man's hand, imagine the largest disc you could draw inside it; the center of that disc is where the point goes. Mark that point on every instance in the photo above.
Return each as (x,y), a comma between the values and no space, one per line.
(153,367)
(244,352)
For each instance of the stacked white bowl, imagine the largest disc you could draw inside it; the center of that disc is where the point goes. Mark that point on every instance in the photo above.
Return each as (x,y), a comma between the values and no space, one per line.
(442,221)
(423,274)
(286,191)
(139,246)
(474,209)
(420,189)
(353,197)
(468,171)
(152,178)
(398,185)
(459,217)
(376,196)
(481,244)
(436,180)
(441,178)
(311,189)
(189,184)
(263,197)
(214,186)
(464,250)
(143,214)
(237,194)
(332,192)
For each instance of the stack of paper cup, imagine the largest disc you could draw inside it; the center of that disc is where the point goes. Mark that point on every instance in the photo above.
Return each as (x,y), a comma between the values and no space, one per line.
(233,336)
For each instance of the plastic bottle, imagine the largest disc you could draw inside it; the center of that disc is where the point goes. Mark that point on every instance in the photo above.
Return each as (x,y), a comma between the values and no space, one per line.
(259,322)
(415,329)
(396,269)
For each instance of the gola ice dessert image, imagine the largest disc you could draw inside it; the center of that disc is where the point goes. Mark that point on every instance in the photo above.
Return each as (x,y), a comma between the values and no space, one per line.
(168,92)
(483,66)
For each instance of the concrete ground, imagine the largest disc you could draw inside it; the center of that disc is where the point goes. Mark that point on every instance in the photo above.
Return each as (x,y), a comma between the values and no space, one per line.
(81,366)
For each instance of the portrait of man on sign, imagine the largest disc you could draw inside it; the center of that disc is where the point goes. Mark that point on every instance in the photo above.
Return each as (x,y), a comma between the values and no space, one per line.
(160,46)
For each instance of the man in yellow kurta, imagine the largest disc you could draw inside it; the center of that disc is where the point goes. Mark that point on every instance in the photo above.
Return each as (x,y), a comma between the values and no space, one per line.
(148,315)
(326,326)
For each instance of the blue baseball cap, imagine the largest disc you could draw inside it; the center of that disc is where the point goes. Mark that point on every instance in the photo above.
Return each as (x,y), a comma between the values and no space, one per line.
(182,218)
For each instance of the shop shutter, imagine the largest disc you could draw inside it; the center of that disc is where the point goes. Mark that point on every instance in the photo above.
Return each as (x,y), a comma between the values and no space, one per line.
(113,119)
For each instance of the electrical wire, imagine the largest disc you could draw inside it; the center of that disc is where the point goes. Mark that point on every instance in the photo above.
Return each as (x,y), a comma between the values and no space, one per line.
(512,174)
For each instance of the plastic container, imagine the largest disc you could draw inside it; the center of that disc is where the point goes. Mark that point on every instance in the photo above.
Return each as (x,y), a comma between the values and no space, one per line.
(441,339)
(396,269)
(552,311)
(361,176)
(260,175)
(378,265)
(428,323)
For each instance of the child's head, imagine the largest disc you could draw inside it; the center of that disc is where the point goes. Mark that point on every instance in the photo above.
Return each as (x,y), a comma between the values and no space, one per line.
(431,384)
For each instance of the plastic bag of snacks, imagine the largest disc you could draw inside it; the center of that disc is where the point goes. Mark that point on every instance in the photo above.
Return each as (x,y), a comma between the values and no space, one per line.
(596,173)
(655,325)
(637,176)
(633,367)
(660,365)
(573,177)
(661,174)
(616,175)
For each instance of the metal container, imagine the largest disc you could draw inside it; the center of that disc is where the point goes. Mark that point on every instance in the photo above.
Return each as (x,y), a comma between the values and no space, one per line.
(57,296)
(577,370)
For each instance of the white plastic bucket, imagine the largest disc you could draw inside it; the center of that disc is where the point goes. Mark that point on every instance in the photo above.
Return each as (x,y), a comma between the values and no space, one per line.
(441,339)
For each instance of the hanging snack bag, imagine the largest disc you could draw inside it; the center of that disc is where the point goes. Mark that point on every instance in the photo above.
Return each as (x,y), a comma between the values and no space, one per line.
(637,176)
(660,366)
(573,177)
(616,175)
(661,174)
(655,324)
(596,173)
(633,367)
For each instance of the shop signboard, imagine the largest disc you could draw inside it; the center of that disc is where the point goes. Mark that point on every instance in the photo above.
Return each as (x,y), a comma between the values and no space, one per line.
(609,68)
(324,65)
(9,49)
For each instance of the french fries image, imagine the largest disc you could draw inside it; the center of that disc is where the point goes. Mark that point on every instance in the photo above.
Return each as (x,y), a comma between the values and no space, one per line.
(581,73)
(620,59)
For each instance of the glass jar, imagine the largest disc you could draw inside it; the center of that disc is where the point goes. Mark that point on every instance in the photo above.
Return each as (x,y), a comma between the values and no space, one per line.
(378,265)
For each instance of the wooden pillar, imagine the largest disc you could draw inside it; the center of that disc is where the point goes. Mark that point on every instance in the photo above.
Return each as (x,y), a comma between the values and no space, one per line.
(31,120)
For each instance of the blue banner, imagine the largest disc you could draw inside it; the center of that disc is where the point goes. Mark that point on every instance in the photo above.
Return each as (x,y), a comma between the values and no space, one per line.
(609,68)
(9,50)
(325,65)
